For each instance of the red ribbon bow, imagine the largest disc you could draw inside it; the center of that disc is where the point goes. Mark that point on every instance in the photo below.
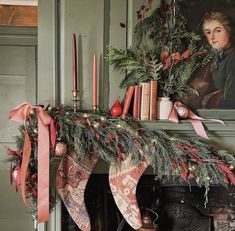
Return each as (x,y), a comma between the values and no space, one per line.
(193,118)
(21,114)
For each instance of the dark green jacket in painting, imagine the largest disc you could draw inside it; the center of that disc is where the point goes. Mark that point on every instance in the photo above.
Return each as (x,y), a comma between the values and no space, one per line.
(215,83)
(223,75)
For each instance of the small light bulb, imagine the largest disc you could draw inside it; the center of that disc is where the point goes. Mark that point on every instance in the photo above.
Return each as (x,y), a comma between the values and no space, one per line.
(96,125)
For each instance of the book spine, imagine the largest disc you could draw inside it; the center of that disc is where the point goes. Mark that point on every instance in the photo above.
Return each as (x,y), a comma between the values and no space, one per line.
(145,100)
(135,104)
(153,100)
(127,101)
(139,101)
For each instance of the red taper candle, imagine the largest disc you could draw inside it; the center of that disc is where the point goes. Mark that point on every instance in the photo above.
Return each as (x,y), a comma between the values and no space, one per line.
(74,56)
(94,100)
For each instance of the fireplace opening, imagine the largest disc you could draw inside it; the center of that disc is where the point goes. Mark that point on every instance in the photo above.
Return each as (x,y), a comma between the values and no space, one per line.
(179,208)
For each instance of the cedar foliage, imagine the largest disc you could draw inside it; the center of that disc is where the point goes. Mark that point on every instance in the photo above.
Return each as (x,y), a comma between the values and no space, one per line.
(161,44)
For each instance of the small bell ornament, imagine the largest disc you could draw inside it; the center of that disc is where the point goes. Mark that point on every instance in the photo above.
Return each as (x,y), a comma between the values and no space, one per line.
(148,223)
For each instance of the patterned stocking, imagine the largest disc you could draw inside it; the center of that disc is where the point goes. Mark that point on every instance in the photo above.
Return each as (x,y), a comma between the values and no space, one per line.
(72,178)
(123,181)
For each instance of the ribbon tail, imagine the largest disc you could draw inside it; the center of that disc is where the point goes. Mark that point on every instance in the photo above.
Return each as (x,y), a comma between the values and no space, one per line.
(52,135)
(24,165)
(196,117)
(43,172)
(198,127)
(71,179)
(173,117)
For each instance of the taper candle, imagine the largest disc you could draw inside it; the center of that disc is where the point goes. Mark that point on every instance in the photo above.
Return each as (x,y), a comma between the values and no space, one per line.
(94,101)
(74,57)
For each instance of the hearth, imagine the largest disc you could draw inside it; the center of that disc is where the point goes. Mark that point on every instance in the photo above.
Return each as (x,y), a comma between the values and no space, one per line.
(180,207)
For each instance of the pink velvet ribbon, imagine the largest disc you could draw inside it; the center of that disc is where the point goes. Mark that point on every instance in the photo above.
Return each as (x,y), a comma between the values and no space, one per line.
(21,114)
(193,118)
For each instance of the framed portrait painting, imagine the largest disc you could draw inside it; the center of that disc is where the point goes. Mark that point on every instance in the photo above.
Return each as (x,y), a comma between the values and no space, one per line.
(214,21)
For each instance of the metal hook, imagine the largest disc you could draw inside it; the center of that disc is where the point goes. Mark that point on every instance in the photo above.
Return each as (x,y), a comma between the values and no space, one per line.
(155,213)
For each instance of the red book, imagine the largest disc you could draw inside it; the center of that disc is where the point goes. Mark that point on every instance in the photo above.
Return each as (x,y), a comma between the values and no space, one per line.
(135,104)
(127,100)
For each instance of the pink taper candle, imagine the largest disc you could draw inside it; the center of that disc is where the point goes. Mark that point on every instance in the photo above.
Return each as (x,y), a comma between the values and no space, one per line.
(94,101)
(75,83)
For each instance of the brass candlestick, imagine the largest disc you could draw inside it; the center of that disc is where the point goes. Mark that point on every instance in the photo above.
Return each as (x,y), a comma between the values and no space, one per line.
(95,108)
(75,100)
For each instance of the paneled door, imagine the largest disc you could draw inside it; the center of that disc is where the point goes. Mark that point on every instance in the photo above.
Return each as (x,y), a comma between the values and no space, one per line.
(17,85)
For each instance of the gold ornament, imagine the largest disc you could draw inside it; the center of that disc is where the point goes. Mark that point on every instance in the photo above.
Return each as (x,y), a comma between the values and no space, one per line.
(60,149)
(182,112)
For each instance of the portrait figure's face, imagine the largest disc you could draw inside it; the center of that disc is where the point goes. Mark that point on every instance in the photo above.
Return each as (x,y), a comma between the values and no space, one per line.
(216,34)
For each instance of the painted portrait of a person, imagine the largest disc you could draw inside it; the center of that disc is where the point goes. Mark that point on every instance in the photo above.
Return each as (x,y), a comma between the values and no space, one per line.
(215,83)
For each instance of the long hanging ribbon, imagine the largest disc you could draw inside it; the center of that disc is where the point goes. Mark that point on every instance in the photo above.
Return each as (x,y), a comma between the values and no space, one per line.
(193,118)
(21,114)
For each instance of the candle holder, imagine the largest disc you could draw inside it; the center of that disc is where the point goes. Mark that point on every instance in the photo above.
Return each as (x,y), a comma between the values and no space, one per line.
(95,108)
(75,100)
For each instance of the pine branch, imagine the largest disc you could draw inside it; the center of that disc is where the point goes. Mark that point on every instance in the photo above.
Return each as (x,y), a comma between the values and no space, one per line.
(139,66)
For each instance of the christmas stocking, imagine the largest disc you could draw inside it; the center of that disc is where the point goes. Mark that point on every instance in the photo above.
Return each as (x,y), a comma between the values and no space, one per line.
(123,180)
(72,177)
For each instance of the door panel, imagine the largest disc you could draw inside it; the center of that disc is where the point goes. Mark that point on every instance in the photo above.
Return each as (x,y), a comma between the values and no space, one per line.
(17,85)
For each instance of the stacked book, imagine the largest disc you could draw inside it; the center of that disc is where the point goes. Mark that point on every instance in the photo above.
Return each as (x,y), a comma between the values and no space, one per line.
(143,99)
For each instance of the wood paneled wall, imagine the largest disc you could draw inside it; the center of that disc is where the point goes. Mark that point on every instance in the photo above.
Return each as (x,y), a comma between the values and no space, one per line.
(18,15)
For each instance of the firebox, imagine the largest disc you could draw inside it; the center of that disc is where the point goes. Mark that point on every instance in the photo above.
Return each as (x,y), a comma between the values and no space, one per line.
(179,207)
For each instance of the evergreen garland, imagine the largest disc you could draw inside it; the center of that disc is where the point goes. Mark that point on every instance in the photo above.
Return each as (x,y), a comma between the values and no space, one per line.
(116,139)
